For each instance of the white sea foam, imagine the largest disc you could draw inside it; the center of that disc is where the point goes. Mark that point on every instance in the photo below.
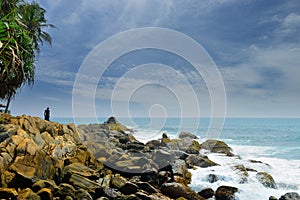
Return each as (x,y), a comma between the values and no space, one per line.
(286,173)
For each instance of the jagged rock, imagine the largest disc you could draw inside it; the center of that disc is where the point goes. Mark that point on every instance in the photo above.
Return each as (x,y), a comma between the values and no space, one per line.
(80,169)
(290,196)
(162,158)
(217,146)
(180,172)
(28,194)
(8,193)
(199,160)
(45,194)
(165,138)
(206,193)
(34,167)
(118,181)
(272,198)
(187,135)
(84,183)
(226,193)
(266,180)
(176,190)
(7,131)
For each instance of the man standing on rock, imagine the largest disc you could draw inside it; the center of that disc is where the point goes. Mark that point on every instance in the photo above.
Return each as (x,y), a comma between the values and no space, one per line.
(47,114)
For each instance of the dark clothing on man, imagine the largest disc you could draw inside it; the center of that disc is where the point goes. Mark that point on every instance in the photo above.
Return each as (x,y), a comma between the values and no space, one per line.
(47,114)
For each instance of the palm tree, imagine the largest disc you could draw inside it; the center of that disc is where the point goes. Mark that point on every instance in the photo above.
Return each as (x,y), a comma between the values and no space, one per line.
(33,18)
(20,36)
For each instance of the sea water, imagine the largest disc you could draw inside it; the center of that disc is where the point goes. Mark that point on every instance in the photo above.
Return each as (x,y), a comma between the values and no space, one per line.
(273,141)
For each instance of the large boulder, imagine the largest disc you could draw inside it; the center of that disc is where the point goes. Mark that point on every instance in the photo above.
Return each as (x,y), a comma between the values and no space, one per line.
(217,146)
(177,190)
(187,135)
(266,180)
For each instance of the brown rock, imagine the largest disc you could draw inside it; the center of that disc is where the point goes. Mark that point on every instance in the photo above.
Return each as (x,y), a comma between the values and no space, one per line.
(45,194)
(217,146)
(80,169)
(83,194)
(129,188)
(176,190)
(66,190)
(206,193)
(28,194)
(266,180)
(118,181)
(8,193)
(84,183)
(40,184)
(226,193)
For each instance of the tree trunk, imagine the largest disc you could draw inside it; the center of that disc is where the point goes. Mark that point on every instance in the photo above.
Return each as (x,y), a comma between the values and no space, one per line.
(8,102)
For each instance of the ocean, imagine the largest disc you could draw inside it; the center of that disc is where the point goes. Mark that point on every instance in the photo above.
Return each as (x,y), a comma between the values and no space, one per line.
(273,141)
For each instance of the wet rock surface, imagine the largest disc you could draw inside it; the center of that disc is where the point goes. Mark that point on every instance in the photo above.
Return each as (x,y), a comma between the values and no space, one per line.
(47,160)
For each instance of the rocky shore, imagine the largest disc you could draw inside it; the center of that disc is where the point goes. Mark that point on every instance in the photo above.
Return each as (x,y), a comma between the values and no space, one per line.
(48,160)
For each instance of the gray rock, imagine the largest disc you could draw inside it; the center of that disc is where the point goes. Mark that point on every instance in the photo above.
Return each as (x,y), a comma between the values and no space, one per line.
(290,196)
(200,161)
(162,158)
(187,134)
(212,178)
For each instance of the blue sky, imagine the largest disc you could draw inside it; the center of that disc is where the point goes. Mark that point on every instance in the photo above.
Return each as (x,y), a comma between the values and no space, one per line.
(255,44)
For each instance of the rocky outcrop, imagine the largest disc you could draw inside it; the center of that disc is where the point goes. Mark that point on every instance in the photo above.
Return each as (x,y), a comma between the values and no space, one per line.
(47,160)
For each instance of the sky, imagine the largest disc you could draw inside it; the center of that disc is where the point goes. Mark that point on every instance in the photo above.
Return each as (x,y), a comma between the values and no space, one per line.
(254,45)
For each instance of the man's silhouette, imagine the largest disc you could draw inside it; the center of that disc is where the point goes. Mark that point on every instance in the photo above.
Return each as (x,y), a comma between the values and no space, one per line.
(47,114)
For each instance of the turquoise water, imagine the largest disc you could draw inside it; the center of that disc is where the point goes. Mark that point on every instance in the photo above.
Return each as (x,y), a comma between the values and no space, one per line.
(281,135)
